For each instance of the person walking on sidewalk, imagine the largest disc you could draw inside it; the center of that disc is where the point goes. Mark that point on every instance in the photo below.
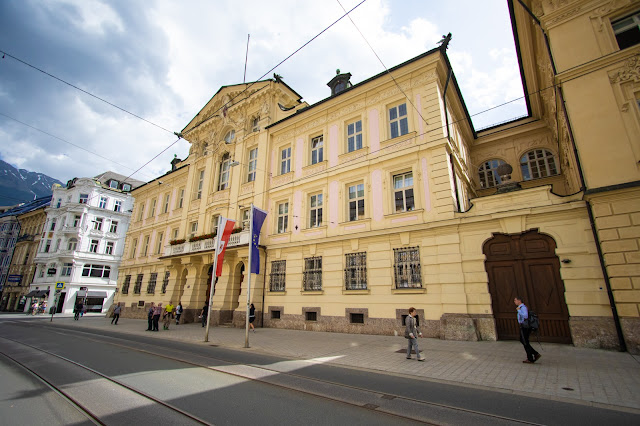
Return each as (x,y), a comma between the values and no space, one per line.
(411,333)
(178,312)
(170,309)
(150,312)
(157,311)
(116,314)
(523,317)
(166,317)
(252,316)
(204,313)
(77,311)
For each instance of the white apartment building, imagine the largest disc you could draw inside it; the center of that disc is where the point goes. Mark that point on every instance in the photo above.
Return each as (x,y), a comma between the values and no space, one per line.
(83,241)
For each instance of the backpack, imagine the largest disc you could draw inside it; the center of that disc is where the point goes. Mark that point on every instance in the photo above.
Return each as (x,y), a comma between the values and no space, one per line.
(534,323)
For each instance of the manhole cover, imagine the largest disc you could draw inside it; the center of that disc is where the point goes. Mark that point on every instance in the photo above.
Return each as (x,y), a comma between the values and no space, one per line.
(568,389)
(371,406)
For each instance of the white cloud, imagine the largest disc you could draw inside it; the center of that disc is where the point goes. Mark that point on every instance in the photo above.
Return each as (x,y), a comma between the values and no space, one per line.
(95,16)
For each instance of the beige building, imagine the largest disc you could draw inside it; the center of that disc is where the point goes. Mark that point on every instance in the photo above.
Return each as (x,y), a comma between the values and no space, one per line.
(383,196)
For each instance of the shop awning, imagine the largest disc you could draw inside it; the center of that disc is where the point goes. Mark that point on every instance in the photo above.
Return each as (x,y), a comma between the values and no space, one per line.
(97,294)
(42,293)
(32,293)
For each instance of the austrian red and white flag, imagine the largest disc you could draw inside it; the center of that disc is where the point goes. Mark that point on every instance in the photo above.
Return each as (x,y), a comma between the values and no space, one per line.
(226,226)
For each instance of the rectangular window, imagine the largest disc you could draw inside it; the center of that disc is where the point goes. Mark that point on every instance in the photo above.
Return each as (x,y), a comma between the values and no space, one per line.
(255,124)
(113,228)
(627,30)
(200,184)
(125,284)
(53,225)
(354,136)
(277,276)
(152,212)
(109,248)
(403,192)
(356,202)
(312,278)
(406,267)
(113,184)
(285,161)
(83,198)
(175,234)
(117,206)
(76,221)
(166,203)
(311,316)
(96,271)
(93,247)
(214,224)
(275,314)
(59,203)
(66,269)
(317,149)
(398,124)
(126,187)
(151,286)
(145,245)
(165,281)
(194,229)
(355,272)
(138,285)
(103,203)
(315,211)
(224,173)
(97,223)
(160,235)
(245,219)
(181,199)
(134,248)
(357,318)
(141,212)
(283,217)
(253,162)
(57,245)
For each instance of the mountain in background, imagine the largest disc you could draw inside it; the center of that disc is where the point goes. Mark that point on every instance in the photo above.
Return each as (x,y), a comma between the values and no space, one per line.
(20,185)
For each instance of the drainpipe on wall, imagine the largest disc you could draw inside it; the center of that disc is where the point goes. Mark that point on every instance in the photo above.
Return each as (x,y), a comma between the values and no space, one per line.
(264,285)
(594,230)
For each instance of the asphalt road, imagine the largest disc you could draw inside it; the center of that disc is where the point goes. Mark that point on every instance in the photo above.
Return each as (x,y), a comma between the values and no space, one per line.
(148,380)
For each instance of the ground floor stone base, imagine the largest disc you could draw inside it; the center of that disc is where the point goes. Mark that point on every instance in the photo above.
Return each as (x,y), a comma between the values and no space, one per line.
(631,332)
(594,332)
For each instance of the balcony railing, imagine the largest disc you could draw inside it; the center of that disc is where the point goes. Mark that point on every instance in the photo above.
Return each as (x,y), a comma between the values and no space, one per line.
(70,229)
(239,239)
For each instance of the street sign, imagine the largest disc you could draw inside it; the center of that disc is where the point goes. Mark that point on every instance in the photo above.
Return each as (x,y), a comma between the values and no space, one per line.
(14,278)
(59,286)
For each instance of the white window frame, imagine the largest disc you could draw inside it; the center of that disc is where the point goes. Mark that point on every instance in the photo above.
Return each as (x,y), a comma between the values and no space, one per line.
(316,204)
(194,229)
(282,220)
(488,173)
(316,150)
(67,268)
(397,121)
(103,202)
(167,197)
(354,136)
(285,160)
(404,190)
(252,164)
(109,247)
(245,219)
(354,198)
(93,246)
(544,163)
(225,172)
(117,206)
(181,199)
(83,199)
(72,244)
(152,211)
(97,223)
(159,243)
(200,184)
(145,245)
(635,22)
(113,226)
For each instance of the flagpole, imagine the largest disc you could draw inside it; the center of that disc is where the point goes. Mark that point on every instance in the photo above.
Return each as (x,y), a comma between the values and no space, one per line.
(213,279)
(246,326)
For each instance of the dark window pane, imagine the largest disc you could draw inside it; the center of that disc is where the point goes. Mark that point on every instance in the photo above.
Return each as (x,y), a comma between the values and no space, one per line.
(394,129)
(628,38)
(399,201)
(409,199)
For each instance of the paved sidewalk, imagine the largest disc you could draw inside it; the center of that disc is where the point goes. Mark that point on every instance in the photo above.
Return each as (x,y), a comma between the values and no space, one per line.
(592,376)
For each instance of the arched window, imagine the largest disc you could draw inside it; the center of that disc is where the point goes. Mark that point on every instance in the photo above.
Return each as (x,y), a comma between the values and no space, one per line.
(224,172)
(72,244)
(488,173)
(538,163)
(230,136)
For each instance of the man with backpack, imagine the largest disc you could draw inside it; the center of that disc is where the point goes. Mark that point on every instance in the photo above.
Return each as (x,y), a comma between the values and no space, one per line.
(525,330)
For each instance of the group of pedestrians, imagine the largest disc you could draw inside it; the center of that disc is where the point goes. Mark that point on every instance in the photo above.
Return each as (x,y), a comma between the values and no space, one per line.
(168,313)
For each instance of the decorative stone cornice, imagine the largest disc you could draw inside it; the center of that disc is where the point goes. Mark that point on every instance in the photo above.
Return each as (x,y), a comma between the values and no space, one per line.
(630,71)
(281,179)
(346,110)
(605,9)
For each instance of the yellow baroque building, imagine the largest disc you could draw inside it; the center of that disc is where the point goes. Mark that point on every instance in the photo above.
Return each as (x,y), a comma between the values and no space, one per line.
(383,196)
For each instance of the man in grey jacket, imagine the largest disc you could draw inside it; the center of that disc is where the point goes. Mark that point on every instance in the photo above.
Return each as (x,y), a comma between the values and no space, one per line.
(411,333)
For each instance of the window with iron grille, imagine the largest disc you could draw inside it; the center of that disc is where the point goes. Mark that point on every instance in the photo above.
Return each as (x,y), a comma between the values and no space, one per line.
(406,267)
(275,314)
(277,276)
(355,272)
(138,284)
(151,287)
(165,281)
(312,278)
(311,316)
(125,285)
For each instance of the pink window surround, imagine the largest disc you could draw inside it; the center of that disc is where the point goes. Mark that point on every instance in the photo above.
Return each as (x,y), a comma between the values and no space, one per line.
(376,195)
(297,212)
(374,131)
(333,146)
(421,125)
(425,184)
(299,157)
(334,189)
(273,163)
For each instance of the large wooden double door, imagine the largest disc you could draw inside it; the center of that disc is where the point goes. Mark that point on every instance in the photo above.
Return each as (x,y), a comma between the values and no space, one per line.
(526,265)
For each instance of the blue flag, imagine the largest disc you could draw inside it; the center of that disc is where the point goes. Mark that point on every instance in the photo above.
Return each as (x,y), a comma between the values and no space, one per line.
(258,217)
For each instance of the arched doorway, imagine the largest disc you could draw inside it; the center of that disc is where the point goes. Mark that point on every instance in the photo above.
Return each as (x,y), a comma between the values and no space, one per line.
(239,278)
(526,265)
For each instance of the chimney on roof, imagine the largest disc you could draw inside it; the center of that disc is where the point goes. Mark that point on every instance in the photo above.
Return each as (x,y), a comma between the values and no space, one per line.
(174,162)
(339,83)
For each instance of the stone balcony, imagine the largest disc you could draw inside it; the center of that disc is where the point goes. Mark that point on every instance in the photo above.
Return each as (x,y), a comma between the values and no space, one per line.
(70,229)
(239,239)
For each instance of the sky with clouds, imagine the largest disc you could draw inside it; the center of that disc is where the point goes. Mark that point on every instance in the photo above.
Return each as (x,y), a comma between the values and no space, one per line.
(163,60)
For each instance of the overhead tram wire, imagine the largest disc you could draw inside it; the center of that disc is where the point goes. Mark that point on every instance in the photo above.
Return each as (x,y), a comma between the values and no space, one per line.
(65,141)
(277,65)
(85,91)
(385,67)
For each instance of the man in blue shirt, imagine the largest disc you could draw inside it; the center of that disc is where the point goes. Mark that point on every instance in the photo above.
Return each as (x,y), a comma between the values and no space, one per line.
(523,316)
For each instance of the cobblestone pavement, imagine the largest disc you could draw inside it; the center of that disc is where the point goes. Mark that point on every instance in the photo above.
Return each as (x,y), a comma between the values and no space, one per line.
(591,376)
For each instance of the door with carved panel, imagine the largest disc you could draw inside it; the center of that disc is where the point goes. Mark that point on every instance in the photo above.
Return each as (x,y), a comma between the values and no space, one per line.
(526,265)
